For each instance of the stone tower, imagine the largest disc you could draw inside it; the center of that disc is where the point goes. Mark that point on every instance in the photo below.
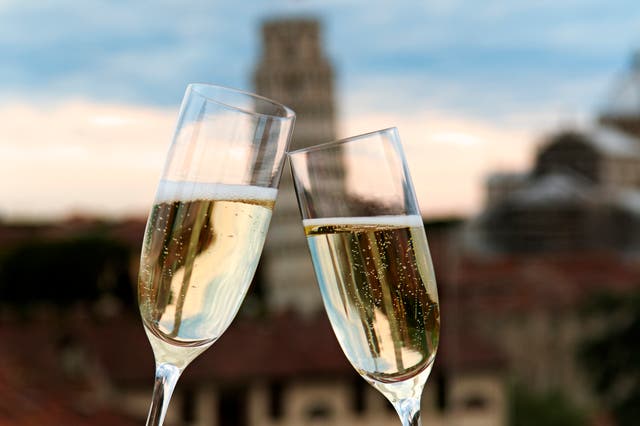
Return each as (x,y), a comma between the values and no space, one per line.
(622,109)
(294,70)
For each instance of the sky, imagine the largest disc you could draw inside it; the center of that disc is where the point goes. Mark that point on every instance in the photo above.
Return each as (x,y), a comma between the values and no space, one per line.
(90,90)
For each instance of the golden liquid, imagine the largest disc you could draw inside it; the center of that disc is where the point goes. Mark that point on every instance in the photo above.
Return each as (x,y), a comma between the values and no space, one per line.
(198,260)
(379,290)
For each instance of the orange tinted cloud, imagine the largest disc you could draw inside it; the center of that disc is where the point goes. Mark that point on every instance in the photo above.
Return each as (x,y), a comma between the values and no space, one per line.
(104,159)
(450,156)
(81,157)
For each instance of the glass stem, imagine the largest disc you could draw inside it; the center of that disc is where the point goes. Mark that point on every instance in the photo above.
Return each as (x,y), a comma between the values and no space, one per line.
(409,411)
(166,378)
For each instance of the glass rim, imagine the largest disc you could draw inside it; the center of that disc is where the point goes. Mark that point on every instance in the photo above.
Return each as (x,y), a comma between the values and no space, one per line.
(342,141)
(288,112)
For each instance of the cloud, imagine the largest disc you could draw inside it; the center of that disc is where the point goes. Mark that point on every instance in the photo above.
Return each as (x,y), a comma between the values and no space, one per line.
(450,156)
(536,103)
(80,156)
(105,159)
(121,51)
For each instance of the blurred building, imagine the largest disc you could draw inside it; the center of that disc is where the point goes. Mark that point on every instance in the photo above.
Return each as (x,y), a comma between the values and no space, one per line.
(583,191)
(261,373)
(293,69)
(553,237)
(89,361)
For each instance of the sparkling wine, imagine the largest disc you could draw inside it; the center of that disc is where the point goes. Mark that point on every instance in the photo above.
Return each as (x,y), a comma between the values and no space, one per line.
(379,291)
(201,248)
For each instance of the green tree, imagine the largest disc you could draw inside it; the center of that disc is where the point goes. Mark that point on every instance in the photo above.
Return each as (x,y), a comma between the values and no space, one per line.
(65,271)
(611,355)
(529,408)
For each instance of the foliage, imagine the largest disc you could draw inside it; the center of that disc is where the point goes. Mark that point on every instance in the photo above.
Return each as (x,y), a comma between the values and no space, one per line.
(65,271)
(611,356)
(529,408)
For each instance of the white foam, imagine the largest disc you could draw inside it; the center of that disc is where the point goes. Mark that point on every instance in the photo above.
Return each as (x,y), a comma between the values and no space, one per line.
(169,191)
(399,220)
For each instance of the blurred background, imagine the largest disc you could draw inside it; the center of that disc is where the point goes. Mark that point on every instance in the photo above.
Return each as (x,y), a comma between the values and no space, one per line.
(521,121)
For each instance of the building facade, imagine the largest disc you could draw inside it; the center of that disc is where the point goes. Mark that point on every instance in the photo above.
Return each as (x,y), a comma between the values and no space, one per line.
(293,69)
(583,193)
(552,238)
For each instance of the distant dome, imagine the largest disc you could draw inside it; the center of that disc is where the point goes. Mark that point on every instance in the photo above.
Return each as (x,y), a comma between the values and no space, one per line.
(555,189)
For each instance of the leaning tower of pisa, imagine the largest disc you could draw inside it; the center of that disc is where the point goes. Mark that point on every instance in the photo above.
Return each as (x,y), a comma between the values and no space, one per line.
(294,70)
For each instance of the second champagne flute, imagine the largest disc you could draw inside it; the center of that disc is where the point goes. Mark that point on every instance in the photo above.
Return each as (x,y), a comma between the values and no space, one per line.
(206,230)
(372,262)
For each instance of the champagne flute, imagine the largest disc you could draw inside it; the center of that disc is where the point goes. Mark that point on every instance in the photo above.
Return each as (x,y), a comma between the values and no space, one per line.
(206,229)
(372,261)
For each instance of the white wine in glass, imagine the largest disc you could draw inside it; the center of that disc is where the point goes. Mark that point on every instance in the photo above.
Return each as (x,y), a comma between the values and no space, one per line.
(208,224)
(372,261)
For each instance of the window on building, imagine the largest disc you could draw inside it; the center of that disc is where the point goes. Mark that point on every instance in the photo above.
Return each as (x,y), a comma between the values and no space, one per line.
(294,83)
(475,402)
(276,400)
(232,407)
(188,405)
(290,51)
(442,389)
(359,392)
(319,410)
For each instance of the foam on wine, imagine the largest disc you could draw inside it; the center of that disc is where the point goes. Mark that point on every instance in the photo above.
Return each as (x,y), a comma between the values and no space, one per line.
(380,221)
(171,191)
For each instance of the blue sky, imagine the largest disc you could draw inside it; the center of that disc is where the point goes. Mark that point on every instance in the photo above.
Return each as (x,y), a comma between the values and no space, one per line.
(146,51)
(519,66)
